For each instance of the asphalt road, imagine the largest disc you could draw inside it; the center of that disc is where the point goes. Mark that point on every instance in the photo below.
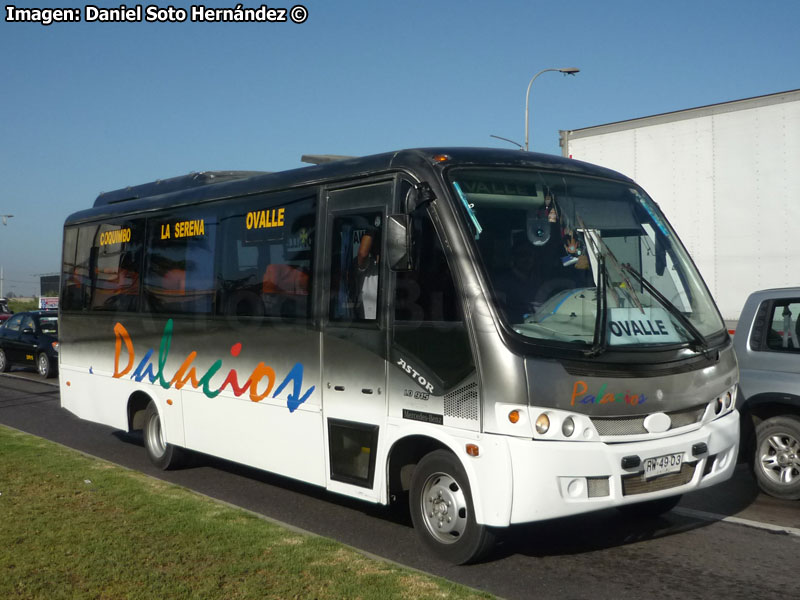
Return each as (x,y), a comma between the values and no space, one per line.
(729,542)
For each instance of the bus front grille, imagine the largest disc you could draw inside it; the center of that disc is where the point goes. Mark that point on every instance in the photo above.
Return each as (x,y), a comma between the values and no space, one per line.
(637,484)
(635,425)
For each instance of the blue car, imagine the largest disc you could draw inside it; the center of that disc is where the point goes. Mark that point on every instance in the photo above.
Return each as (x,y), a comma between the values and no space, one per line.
(31,339)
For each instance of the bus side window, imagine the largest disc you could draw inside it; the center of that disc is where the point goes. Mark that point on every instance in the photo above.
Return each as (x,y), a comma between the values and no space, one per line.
(355,267)
(428,322)
(116,263)
(80,260)
(179,274)
(70,284)
(265,268)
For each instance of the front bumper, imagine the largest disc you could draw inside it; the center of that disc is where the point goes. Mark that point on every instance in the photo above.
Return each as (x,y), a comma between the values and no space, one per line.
(558,479)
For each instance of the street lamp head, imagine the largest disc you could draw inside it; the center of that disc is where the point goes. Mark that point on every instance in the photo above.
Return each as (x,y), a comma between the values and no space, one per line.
(6,218)
(565,71)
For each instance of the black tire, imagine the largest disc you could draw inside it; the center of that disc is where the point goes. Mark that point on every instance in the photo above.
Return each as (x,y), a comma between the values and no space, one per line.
(44,366)
(776,457)
(442,510)
(4,365)
(163,455)
(650,508)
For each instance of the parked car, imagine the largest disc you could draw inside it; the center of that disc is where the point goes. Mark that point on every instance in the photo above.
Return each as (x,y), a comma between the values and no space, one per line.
(30,338)
(5,313)
(767,344)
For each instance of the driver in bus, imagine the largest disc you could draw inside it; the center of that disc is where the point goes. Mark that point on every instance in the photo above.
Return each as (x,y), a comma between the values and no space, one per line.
(518,284)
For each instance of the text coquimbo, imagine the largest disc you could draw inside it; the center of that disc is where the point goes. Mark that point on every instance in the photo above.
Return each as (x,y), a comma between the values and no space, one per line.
(153,13)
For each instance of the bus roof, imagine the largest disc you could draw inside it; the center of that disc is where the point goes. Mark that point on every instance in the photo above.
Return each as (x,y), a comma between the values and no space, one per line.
(164,186)
(215,185)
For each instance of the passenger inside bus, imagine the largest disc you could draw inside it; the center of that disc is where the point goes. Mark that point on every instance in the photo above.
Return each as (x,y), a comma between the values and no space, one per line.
(367,261)
(355,259)
(285,290)
(125,285)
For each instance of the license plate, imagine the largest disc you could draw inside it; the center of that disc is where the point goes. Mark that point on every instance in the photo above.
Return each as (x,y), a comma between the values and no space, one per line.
(661,465)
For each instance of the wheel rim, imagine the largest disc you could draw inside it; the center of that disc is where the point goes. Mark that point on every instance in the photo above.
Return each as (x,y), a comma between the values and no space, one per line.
(779,457)
(43,366)
(154,436)
(2,361)
(444,508)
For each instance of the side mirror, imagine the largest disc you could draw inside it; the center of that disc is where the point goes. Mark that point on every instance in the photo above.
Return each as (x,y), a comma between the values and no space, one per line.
(27,331)
(398,239)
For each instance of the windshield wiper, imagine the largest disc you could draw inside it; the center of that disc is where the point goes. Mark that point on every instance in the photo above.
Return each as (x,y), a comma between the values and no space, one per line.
(700,342)
(470,211)
(600,343)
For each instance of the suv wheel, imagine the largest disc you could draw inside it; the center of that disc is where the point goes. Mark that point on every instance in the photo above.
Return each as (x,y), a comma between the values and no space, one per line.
(776,461)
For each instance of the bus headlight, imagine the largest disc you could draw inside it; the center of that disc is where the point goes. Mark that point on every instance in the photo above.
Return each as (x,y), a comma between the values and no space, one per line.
(542,424)
(568,427)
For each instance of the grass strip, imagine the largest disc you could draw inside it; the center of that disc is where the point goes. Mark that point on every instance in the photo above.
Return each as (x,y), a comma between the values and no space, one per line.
(72,526)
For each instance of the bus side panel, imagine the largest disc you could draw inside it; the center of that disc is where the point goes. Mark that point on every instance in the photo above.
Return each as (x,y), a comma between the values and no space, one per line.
(264,435)
(87,390)
(92,397)
(248,392)
(263,406)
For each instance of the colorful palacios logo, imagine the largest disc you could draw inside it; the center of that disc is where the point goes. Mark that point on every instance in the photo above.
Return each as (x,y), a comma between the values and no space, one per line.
(580,389)
(186,373)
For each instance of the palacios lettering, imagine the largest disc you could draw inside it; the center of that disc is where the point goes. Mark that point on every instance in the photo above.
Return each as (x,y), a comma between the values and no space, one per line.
(580,389)
(187,373)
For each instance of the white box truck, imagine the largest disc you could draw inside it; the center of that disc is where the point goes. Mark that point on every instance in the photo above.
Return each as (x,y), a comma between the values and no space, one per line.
(728,178)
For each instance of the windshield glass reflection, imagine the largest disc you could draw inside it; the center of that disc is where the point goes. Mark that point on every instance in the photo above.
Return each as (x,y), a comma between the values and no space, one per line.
(547,240)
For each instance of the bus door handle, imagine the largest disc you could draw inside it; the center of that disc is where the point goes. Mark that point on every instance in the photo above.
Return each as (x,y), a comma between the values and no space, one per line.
(366,390)
(338,388)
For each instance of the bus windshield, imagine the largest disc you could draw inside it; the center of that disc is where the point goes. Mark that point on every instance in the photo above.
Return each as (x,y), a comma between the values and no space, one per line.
(584,260)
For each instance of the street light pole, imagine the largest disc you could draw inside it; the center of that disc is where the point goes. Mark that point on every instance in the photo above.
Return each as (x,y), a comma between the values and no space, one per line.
(5,222)
(566,71)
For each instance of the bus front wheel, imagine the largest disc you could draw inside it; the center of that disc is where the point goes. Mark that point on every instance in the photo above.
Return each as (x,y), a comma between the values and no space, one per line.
(442,510)
(163,455)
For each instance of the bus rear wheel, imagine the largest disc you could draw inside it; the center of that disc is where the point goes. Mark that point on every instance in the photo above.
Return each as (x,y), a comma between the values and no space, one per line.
(442,510)
(163,455)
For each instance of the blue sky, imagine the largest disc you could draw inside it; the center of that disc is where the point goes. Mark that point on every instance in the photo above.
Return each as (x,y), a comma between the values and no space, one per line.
(91,107)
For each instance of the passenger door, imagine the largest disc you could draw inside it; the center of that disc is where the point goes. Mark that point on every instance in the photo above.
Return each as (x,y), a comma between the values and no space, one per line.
(354,342)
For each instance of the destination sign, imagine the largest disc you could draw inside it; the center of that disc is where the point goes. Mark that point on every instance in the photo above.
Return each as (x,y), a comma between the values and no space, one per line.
(182,229)
(640,326)
(115,236)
